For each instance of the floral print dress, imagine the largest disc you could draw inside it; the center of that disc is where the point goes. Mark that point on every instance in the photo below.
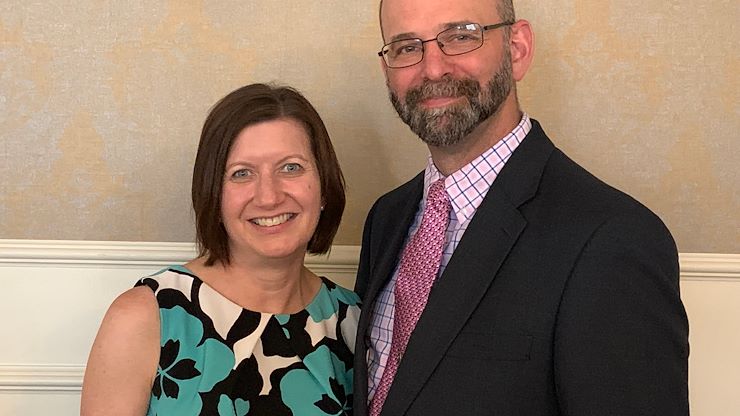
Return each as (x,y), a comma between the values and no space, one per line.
(218,358)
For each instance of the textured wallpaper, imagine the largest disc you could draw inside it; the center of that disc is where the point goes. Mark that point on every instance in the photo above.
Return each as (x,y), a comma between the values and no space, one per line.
(101,105)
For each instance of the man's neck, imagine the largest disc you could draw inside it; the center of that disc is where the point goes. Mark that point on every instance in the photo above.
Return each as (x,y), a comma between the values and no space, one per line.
(449,159)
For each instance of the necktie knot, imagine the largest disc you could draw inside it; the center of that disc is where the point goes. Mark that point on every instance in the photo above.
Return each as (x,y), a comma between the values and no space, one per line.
(437,198)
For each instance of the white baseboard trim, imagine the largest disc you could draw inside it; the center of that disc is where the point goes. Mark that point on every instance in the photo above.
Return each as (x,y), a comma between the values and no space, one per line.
(41,378)
(341,260)
(694,266)
(710,266)
(116,253)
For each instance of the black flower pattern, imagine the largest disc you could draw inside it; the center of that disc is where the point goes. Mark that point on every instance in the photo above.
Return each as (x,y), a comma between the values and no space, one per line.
(170,371)
(342,406)
(300,362)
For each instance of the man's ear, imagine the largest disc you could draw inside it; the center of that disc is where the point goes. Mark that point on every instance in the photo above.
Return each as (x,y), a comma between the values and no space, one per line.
(521,44)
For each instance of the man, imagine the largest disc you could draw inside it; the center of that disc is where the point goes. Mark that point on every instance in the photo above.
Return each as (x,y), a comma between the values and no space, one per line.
(505,279)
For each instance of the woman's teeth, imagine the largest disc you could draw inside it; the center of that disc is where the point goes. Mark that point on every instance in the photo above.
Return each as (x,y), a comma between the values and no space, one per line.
(272,221)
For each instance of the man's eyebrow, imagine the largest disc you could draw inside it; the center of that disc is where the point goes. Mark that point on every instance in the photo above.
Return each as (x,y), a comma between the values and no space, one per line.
(450,25)
(403,36)
(414,35)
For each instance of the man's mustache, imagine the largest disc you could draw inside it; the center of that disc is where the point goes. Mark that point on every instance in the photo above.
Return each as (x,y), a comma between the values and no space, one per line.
(445,88)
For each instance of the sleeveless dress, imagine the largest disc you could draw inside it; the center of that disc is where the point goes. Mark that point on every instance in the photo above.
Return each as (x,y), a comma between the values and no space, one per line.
(218,358)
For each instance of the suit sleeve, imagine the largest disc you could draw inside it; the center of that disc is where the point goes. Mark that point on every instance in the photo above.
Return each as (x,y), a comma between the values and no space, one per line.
(621,338)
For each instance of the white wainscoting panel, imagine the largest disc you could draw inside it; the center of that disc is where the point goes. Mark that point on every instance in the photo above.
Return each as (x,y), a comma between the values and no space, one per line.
(54,294)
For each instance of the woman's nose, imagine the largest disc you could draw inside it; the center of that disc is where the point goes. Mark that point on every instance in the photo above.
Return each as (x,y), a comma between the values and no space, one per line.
(268,191)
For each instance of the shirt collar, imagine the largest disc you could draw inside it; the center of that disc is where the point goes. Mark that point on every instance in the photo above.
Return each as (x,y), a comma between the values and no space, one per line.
(468,186)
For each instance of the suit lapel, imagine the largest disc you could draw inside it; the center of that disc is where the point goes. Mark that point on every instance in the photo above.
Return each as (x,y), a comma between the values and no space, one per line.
(454,297)
(398,218)
(489,238)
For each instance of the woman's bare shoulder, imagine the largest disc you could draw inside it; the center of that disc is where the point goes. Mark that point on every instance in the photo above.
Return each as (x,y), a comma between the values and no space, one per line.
(123,359)
(137,303)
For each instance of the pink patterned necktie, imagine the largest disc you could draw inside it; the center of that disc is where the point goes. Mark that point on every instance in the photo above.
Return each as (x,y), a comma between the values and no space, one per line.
(419,266)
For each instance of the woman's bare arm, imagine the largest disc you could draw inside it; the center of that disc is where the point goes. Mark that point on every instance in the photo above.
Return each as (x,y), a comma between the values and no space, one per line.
(124,357)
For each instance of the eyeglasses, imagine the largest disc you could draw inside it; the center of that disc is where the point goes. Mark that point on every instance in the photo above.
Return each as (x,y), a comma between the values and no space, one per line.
(456,40)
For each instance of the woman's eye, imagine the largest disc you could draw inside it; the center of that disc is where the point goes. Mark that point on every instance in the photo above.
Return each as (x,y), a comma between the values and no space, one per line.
(292,167)
(240,174)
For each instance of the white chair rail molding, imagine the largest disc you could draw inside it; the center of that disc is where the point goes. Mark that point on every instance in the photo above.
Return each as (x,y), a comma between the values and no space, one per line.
(54,295)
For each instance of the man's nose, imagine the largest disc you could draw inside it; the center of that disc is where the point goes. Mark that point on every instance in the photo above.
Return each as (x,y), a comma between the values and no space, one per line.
(435,65)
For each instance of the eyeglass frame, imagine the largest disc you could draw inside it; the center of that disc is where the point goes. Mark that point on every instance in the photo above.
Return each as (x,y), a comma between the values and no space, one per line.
(440,44)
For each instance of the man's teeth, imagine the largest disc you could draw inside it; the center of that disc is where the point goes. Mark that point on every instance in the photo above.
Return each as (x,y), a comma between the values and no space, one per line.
(272,221)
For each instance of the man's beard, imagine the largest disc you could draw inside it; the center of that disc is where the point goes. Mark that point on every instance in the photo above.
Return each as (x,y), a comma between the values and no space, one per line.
(447,126)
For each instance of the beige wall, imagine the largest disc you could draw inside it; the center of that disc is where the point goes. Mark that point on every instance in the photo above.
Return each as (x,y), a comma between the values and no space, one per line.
(101,105)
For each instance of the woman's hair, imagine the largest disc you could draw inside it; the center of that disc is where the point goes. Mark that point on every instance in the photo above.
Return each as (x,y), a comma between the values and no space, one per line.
(241,108)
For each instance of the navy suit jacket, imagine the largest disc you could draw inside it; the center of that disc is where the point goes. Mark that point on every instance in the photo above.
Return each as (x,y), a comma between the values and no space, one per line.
(562,298)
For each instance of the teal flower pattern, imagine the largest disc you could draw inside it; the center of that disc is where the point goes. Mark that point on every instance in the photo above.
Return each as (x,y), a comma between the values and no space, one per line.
(228,407)
(327,303)
(182,374)
(217,358)
(325,382)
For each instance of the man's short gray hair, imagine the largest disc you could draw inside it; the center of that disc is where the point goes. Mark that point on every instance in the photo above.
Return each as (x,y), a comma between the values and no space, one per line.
(505,9)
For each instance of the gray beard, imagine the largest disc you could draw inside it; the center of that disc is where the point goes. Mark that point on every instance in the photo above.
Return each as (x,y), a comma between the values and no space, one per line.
(447,126)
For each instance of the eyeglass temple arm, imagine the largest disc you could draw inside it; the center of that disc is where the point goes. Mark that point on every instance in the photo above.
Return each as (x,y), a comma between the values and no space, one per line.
(497,25)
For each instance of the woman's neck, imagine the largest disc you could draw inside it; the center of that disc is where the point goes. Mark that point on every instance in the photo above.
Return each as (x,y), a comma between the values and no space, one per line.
(270,286)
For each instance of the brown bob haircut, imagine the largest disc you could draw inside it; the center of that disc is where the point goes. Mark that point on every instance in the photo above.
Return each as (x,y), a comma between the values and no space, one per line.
(246,106)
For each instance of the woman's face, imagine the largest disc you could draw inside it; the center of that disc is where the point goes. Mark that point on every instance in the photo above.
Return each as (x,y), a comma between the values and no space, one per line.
(271,200)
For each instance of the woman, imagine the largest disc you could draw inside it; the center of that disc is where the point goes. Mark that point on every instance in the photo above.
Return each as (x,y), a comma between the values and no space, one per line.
(245,328)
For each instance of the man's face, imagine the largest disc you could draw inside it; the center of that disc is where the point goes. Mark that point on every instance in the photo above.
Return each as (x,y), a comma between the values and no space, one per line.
(444,98)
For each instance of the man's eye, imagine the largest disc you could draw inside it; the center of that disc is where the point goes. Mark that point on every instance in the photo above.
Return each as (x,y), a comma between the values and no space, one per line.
(403,48)
(407,49)
(461,38)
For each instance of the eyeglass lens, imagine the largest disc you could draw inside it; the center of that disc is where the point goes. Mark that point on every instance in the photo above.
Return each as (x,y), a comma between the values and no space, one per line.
(454,41)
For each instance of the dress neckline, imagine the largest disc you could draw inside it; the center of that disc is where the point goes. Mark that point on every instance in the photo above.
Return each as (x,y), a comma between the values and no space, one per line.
(323,289)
